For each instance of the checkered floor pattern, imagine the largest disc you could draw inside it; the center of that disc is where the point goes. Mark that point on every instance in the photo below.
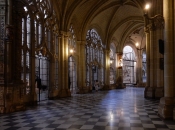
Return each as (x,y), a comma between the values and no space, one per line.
(119,109)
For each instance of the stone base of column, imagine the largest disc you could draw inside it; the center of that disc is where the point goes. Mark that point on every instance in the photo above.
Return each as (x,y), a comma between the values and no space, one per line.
(165,108)
(120,86)
(149,92)
(31,100)
(112,86)
(84,90)
(64,93)
(53,94)
(159,92)
(141,85)
(13,99)
(106,87)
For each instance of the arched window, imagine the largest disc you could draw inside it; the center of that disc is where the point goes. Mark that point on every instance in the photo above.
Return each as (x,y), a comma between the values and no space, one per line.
(46,46)
(94,58)
(144,70)
(72,39)
(38,32)
(72,64)
(26,52)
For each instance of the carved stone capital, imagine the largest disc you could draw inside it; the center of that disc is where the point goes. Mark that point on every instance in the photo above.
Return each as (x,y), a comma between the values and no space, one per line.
(154,23)
(158,22)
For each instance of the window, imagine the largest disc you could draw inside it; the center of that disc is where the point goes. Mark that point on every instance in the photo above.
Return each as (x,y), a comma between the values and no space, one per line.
(94,58)
(72,64)
(25,52)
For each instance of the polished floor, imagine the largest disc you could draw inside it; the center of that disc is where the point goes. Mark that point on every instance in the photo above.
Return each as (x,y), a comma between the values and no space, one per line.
(119,109)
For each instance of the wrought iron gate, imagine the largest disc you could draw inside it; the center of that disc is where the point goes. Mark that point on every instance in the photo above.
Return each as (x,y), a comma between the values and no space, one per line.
(129,69)
(42,77)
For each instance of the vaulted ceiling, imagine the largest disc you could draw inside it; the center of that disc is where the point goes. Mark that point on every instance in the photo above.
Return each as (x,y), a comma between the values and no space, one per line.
(117,21)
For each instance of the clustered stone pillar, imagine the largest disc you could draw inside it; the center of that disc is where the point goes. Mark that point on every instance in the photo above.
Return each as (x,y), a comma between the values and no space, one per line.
(107,69)
(52,91)
(13,98)
(167,102)
(3,58)
(33,96)
(139,68)
(154,31)
(82,68)
(147,61)
(64,90)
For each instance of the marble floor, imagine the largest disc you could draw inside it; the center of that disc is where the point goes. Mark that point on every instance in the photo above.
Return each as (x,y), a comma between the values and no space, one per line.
(119,109)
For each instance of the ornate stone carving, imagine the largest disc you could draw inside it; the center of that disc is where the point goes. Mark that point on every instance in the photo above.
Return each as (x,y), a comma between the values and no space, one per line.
(158,21)
(153,23)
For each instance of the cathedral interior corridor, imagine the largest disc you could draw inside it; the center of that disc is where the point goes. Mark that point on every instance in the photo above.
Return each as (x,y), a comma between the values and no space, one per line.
(87,64)
(119,109)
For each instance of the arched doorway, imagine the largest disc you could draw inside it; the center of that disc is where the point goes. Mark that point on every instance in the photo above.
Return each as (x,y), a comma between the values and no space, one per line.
(129,66)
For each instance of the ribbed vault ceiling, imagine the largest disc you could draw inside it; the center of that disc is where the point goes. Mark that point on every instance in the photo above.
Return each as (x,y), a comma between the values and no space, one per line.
(118,21)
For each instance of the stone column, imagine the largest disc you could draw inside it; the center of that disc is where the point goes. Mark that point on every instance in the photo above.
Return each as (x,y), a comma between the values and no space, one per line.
(147,91)
(82,68)
(64,91)
(33,95)
(166,104)
(52,90)
(151,90)
(14,98)
(159,90)
(3,56)
(8,42)
(119,81)
(148,58)
(66,68)
(139,69)
(59,62)
(154,33)
(107,69)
